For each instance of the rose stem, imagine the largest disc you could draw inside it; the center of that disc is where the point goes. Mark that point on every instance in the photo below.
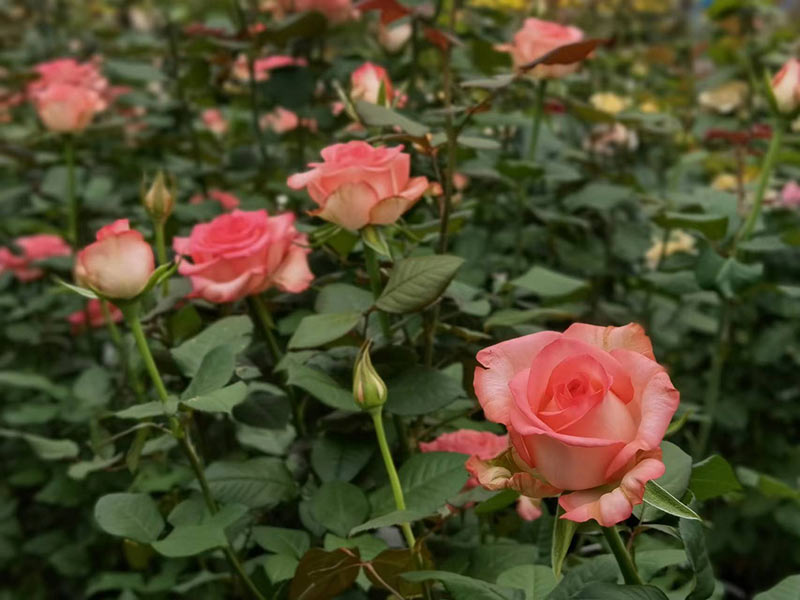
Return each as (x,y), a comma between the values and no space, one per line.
(72,198)
(538,113)
(624,559)
(181,432)
(161,251)
(259,308)
(371,260)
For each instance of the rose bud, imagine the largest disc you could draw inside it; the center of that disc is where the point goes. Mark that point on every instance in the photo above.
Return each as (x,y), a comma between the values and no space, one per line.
(537,38)
(786,86)
(159,199)
(586,411)
(371,83)
(243,253)
(118,265)
(358,185)
(369,390)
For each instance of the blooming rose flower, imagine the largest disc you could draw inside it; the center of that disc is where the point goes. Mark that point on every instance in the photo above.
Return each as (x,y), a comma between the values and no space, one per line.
(118,265)
(93,315)
(68,71)
(485,445)
(214,120)
(790,195)
(537,38)
(725,98)
(280,120)
(34,248)
(679,241)
(263,66)
(786,86)
(366,82)
(226,200)
(586,411)
(244,253)
(66,108)
(358,185)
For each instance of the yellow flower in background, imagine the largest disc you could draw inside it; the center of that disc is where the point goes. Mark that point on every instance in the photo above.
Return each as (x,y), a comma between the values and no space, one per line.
(678,241)
(725,98)
(609,102)
(517,5)
(649,106)
(725,182)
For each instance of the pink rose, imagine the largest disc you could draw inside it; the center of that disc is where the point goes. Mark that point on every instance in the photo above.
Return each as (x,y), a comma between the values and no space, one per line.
(790,195)
(34,248)
(280,120)
(243,253)
(68,71)
(394,37)
(586,411)
(214,120)
(366,83)
(118,265)
(357,184)
(537,38)
(226,200)
(334,10)
(93,314)
(66,108)
(485,445)
(263,66)
(786,86)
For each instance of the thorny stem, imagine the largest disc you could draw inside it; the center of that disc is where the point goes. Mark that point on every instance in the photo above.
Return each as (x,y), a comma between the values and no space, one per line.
(624,560)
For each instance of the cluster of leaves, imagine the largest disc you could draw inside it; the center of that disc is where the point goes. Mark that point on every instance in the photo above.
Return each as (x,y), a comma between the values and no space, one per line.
(95,499)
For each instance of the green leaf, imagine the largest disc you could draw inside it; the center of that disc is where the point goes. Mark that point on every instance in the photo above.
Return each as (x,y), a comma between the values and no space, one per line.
(133,516)
(339,458)
(342,298)
(563,531)
(280,567)
(397,517)
(156,408)
(190,540)
(537,581)
(416,282)
(317,330)
(421,390)
(374,238)
(694,540)
(256,483)
(428,480)
(31,381)
(713,477)
(234,331)
(220,400)
(263,410)
(788,589)
(269,441)
(45,448)
(291,542)
(339,506)
(375,115)
(675,479)
(216,369)
(549,284)
(657,497)
(497,502)
(81,291)
(598,196)
(466,588)
(320,385)
(142,72)
(388,569)
(598,569)
(613,591)
(324,575)
(711,225)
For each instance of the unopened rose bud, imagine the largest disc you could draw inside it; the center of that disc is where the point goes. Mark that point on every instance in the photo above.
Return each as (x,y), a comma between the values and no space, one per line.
(786,86)
(369,390)
(159,199)
(118,265)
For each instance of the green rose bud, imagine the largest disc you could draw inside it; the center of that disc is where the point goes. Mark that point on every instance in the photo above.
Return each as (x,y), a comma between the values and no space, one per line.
(369,390)
(159,199)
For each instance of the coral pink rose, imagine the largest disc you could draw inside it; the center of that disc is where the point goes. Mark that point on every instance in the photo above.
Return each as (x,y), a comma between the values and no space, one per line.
(243,253)
(34,248)
(280,120)
(66,108)
(226,200)
(586,411)
(358,185)
(367,81)
(786,86)
(790,195)
(118,265)
(214,120)
(537,38)
(68,71)
(263,66)
(93,315)
(485,445)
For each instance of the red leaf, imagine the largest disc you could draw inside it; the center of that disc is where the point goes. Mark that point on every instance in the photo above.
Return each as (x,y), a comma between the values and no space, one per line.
(391,10)
(567,54)
(321,575)
(441,39)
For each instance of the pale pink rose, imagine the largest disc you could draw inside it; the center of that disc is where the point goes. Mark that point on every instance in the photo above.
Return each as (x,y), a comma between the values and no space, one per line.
(215,121)
(66,108)
(93,314)
(790,195)
(358,184)
(537,38)
(485,445)
(118,265)
(586,411)
(393,37)
(34,248)
(68,71)
(280,120)
(335,10)
(786,86)
(367,81)
(244,253)
(263,66)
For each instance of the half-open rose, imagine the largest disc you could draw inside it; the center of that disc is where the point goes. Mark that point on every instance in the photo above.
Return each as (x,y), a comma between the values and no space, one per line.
(586,411)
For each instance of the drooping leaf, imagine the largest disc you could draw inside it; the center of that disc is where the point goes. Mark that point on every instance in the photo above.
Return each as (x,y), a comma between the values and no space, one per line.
(694,540)
(133,516)
(222,400)
(658,497)
(393,518)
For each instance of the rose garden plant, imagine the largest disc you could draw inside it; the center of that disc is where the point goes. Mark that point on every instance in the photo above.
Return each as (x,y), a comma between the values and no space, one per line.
(391,299)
